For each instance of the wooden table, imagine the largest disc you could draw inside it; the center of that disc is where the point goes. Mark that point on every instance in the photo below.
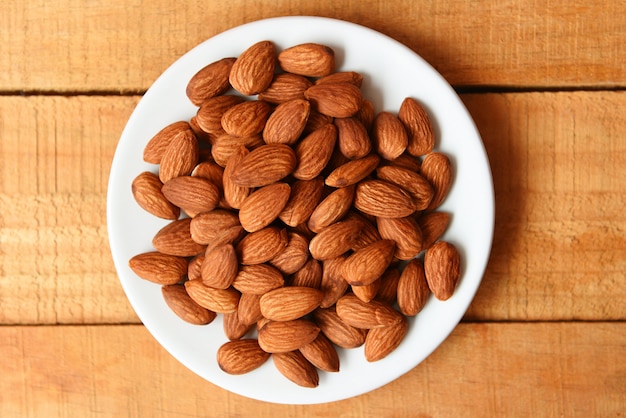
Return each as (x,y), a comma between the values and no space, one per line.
(544,80)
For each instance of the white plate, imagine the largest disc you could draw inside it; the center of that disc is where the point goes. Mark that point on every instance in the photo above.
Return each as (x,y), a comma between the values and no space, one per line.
(392,72)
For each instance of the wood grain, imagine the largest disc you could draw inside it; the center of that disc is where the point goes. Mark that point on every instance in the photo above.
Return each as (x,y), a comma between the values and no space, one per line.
(76,46)
(549,369)
(558,162)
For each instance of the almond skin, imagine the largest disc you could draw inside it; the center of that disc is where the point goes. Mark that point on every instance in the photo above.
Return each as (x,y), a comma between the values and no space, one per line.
(389,135)
(334,240)
(308,59)
(220,266)
(380,342)
(295,367)
(388,289)
(332,209)
(353,138)
(433,225)
(338,331)
(305,195)
(367,292)
(416,185)
(314,151)
(285,87)
(442,268)
(216,300)
(353,171)
(192,194)
(206,226)
(235,194)
(249,308)
(413,291)
(405,232)
(258,279)
(264,165)
(322,354)
(159,268)
(226,145)
(290,302)
(246,118)
(253,70)
(175,239)
(180,156)
(284,336)
(184,307)
(368,315)
(437,169)
(369,263)
(294,256)
(263,206)
(310,275)
(262,245)
(337,100)
(383,199)
(210,113)
(419,127)
(155,148)
(287,122)
(241,356)
(333,284)
(234,329)
(351,77)
(210,81)
(146,188)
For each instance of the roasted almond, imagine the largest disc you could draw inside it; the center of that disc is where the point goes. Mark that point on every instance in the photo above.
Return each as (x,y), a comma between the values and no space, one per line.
(220,266)
(234,193)
(308,59)
(290,302)
(284,336)
(175,239)
(310,275)
(216,300)
(224,146)
(253,70)
(241,356)
(206,226)
(337,100)
(353,138)
(405,232)
(351,77)
(314,151)
(419,127)
(388,290)
(293,257)
(264,165)
(334,240)
(322,354)
(210,113)
(353,171)
(155,148)
(210,81)
(192,194)
(287,121)
(413,289)
(416,185)
(366,315)
(337,330)
(158,267)
(246,118)
(305,195)
(369,263)
(380,342)
(249,308)
(180,156)
(384,199)
(263,206)
(332,284)
(367,292)
(146,188)
(194,267)
(389,135)
(285,87)
(366,114)
(442,266)
(261,246)
(369,233)
(295,367)
(433,225)
(437,169)
(184,307)
(258,279)
(234,329)
(332,209)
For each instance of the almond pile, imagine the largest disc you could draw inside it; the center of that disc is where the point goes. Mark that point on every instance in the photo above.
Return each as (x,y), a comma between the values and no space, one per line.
(305,218)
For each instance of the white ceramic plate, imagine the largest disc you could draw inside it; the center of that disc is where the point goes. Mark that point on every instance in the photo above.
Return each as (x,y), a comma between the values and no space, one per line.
(392,72)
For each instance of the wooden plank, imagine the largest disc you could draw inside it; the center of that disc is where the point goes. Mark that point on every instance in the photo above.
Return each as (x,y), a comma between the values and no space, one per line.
(558,161)
(516,369)
(114,46)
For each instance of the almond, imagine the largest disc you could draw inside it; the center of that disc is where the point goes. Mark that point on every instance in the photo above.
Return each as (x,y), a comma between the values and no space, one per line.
(308,59)
(405,232)
(351,77)
(234,329)
(264,165)
(332,209)
(258,279)
(337,100)
(368,315)
(180,156)
(241,356)
(442,266)
(285,87)
(184,307)
(235,194)
(389,135)
(380,342)
(210,81)
(155,148)
(249,308)
(194,267)
(246,118)
(295,367)
(226,145)
(334,240)
(262,245)
(146,188)
(305,195)
(332,284)
(322,354)
(366,114)
(388,290)
(369,263)
(216,300)
(314,151)
(175,239)
(353,138)
(263,206)
(231,235)
(413,289)
(353,171)
(211,171)
(315,121)
(407,161)
(338,331)
(290,302)
(419,127)
(433,225)
(417,186)
(192,194)
(158,267)
(310,275)
(206,226)
(287,122)
(437,169)
(384,199)
(294,256)
(367,292)
(253,71)
(368,235)
(220,266)
(284,336)
(210,113)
